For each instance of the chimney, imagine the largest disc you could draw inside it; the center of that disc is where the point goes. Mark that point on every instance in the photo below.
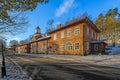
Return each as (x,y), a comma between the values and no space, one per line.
(59,26)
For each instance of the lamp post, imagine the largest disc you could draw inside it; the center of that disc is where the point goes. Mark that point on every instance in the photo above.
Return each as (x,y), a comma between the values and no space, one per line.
(3,61)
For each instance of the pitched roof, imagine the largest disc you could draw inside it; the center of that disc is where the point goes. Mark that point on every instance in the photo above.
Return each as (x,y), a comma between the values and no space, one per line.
(76,21)
(97,41)
(40,39)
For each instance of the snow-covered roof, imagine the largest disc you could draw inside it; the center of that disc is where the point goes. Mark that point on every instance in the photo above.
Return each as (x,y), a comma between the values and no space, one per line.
(97,41)
(42,38)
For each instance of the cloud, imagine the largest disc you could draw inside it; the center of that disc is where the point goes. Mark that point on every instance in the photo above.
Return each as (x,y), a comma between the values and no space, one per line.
(2,35)
(16,38)
(64,7)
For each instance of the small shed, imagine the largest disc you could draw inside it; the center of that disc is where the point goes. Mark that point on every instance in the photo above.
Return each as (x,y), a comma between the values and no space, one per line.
(98,46)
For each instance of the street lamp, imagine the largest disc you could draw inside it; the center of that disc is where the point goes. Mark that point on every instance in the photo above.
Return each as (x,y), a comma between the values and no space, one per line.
(3,60)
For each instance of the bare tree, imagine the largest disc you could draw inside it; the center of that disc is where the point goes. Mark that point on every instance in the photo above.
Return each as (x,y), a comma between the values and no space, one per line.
(15,24)
(12,19)
(23,41)
(13,43)
(50,25)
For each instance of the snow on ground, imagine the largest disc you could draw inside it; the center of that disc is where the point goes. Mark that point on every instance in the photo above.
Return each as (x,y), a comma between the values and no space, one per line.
(16,73)
(13,72)
(103,60)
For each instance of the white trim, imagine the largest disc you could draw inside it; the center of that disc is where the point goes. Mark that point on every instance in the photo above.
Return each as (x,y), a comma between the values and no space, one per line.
(68,32)
(54,37)
(61,47)
(62,34)
(71,46)
(76,33)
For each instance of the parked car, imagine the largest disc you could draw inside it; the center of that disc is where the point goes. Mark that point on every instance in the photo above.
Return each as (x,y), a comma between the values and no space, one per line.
(108,49)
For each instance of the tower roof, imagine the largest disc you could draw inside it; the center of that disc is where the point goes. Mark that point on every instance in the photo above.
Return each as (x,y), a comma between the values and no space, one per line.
(37,27)
(37,31)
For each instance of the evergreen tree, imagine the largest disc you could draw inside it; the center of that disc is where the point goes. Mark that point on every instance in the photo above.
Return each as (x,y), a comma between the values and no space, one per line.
(108,23)
(100,21)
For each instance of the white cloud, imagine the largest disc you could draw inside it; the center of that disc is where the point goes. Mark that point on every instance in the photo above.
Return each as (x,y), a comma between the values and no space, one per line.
(16,38)
(2,35)
(13,38)
(64,7)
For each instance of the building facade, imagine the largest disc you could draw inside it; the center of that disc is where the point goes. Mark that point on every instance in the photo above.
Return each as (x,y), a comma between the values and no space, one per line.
(75,37)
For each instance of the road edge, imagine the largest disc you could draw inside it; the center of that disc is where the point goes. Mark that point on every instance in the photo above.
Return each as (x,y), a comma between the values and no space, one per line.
(19,67)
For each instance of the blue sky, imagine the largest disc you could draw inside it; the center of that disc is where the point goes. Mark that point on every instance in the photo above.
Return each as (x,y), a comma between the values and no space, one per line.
(63,10)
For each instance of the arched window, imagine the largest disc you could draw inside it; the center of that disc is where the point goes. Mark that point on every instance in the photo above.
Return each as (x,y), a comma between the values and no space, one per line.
(69,46)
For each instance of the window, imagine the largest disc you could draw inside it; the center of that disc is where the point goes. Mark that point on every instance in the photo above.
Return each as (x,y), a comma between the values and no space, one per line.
(95,36)
(87,45)
(95,47)
(62,47)
(62,34)
(77,46)
(77,31)
(54,36)
(69,46)
(92,34)
(45,48)
(68,32)
(55,47)
(87,30)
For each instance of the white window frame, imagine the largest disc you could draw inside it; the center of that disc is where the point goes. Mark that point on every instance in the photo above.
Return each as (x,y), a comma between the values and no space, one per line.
(62,47)
(77,31)
(69,46)
(75,46)
(68,32)
(54,38)
(62,34)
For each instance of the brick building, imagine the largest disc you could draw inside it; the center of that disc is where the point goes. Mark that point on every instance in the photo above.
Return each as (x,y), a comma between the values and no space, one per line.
(78,36)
